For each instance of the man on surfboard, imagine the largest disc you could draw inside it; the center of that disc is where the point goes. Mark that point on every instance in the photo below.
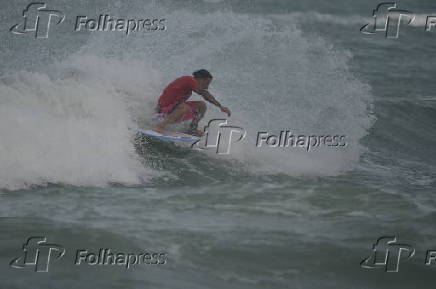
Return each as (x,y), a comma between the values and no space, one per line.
(173,104)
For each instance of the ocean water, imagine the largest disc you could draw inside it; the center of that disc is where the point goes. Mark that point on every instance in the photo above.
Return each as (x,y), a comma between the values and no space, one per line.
(72,171)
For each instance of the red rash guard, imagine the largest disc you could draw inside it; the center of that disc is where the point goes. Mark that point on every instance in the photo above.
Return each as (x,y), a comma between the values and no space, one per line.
(178,91)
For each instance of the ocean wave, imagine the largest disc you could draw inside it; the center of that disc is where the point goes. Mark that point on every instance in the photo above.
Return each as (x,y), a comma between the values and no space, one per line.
(69,127)
(68,123)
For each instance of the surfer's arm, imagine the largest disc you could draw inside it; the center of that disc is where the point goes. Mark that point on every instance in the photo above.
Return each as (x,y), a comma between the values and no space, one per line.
(210,98)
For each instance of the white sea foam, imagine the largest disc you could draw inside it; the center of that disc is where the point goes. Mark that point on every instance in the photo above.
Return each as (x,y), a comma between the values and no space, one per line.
(68,127)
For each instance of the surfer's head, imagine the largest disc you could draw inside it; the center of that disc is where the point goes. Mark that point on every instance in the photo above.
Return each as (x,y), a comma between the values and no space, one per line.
(203,77)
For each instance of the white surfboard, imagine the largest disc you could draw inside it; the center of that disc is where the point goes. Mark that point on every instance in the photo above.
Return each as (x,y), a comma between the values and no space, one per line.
(168,135)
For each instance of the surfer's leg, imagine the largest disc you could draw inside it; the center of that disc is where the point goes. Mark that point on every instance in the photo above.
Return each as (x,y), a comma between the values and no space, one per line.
(177,114)
(199,109)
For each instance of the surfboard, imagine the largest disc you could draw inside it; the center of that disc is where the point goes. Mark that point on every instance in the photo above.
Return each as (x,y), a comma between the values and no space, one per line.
(168,135)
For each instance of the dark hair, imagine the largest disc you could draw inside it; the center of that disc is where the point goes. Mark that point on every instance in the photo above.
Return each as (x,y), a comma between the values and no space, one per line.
(202,73)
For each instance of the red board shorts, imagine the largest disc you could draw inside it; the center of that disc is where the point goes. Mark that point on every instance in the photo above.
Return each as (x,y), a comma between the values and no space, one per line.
(166,110)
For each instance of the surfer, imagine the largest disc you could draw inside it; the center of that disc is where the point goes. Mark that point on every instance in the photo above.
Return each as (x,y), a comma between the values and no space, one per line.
(173,104)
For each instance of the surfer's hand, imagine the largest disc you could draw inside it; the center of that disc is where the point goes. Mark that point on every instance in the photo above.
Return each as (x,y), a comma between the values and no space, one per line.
(226,110)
